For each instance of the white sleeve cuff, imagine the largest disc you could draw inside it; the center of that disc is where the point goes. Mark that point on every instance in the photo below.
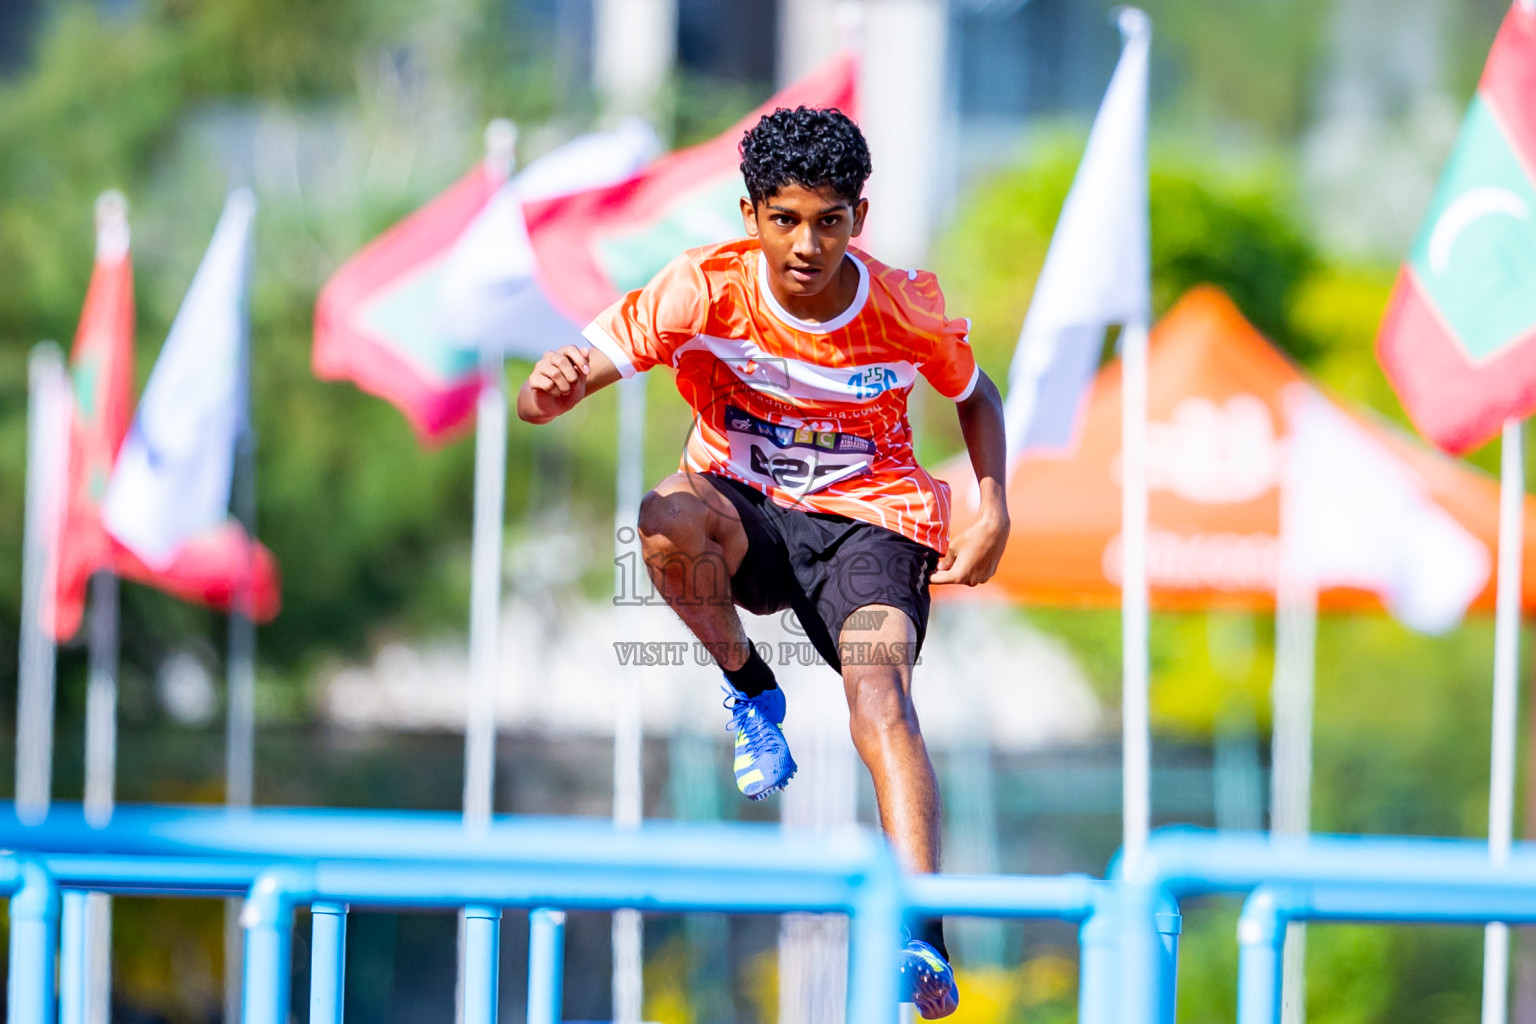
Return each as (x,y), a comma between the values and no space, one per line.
(975,376)
(605,343)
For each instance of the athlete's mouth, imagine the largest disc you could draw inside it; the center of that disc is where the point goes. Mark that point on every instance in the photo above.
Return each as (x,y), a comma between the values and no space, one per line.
(804,273)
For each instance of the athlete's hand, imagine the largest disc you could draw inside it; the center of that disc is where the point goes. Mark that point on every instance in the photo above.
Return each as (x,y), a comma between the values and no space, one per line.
(557,383)
(974,553)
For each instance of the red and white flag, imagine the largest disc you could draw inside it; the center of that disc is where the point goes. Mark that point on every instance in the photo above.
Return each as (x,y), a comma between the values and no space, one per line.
(594,246)
(165,506)
(101,371)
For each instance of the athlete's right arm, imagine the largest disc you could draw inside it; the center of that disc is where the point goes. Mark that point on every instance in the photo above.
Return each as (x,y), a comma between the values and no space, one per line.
(560,379)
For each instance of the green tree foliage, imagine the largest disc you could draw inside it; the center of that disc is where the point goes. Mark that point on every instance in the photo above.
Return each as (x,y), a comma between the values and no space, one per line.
(365,524)
(1205,229)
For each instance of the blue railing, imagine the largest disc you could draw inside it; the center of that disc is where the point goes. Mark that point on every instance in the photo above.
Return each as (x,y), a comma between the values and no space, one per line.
(1324,878)
(330,860)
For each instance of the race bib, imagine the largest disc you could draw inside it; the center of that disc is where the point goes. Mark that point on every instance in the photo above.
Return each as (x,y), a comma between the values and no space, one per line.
(794,459)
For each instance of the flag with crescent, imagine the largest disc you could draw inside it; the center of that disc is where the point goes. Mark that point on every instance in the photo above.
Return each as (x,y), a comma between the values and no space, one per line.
(1458,341)
(405,317)
(375,321)
(101,377)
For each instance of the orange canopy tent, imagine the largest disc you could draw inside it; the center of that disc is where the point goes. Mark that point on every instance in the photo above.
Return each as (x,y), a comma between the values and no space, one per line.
(1216,442)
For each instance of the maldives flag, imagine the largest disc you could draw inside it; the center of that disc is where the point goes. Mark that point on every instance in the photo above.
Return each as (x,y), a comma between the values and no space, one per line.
(101,376)
(594,246)
(1459,338)
(376,322)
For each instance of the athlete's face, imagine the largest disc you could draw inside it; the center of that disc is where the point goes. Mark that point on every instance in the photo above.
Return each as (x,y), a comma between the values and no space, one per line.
(804,233)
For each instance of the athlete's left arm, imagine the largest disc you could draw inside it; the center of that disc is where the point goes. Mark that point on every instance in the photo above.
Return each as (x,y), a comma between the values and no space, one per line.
(973,554)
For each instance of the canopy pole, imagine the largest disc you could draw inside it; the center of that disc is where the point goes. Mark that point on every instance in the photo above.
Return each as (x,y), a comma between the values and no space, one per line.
(1135,712)
(1506,699)
(1291,759)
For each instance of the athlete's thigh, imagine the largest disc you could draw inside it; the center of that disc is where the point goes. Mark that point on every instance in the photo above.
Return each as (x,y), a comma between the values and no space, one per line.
(722,522)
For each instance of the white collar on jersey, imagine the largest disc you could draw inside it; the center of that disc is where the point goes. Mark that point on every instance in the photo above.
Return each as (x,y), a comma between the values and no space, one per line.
(838,322)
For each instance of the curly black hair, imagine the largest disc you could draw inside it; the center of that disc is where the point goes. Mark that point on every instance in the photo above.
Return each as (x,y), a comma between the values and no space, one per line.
(804,146)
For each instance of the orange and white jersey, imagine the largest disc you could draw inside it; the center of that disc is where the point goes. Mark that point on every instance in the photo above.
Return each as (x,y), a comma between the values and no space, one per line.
(812,414)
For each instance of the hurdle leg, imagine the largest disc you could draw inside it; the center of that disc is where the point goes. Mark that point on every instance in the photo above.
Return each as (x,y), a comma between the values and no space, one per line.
(1098,969)
(874,928)
(482,957)
(1170,924)
(72,958)
(34,948)
(546,965)
(1261,958)
(327,962)
(267,919)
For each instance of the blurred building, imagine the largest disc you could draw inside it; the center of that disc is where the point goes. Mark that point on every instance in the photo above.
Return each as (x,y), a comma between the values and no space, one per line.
(16,21)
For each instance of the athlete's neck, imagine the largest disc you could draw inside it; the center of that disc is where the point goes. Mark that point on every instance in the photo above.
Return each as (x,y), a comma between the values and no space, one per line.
(828,304)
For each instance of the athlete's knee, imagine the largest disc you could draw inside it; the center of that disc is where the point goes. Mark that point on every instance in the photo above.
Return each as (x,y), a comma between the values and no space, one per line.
(672,521)
(878,703)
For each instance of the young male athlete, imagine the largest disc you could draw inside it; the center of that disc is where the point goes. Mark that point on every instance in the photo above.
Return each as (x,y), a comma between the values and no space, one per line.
(798,487)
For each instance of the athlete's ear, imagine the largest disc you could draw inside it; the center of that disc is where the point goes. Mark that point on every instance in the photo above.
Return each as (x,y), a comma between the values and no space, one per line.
(749,216)
(860,211)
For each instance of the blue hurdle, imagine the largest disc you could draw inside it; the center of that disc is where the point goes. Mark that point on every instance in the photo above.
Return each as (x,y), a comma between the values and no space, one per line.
(280,860)
(329,860)
(1337,878)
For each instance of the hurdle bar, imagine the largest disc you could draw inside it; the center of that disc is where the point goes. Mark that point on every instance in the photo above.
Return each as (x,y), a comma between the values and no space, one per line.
(334,859)
(428,861)
(1269,908)
(1335,878)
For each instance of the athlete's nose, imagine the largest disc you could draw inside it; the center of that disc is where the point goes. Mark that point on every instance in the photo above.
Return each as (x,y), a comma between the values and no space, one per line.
(807,243)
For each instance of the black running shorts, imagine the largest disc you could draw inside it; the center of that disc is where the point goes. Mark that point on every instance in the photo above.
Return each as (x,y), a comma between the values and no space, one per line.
(824,567)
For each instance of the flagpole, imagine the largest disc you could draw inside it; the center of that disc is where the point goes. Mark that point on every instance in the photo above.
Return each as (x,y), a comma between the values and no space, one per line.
(240,699)
(1506,700)
(47,457)
(628,936)
(1136,739)
(101,707)
(485,577)
(640,50)
(100,782)
(485,582)
(1135,712)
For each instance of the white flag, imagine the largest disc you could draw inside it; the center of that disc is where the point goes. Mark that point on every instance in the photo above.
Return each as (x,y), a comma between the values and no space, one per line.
(1352,514)
(489,296)
(173,474)
(1097,272)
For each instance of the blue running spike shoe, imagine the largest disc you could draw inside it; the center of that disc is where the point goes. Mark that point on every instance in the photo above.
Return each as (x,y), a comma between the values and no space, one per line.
(763,764)
(928,980)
